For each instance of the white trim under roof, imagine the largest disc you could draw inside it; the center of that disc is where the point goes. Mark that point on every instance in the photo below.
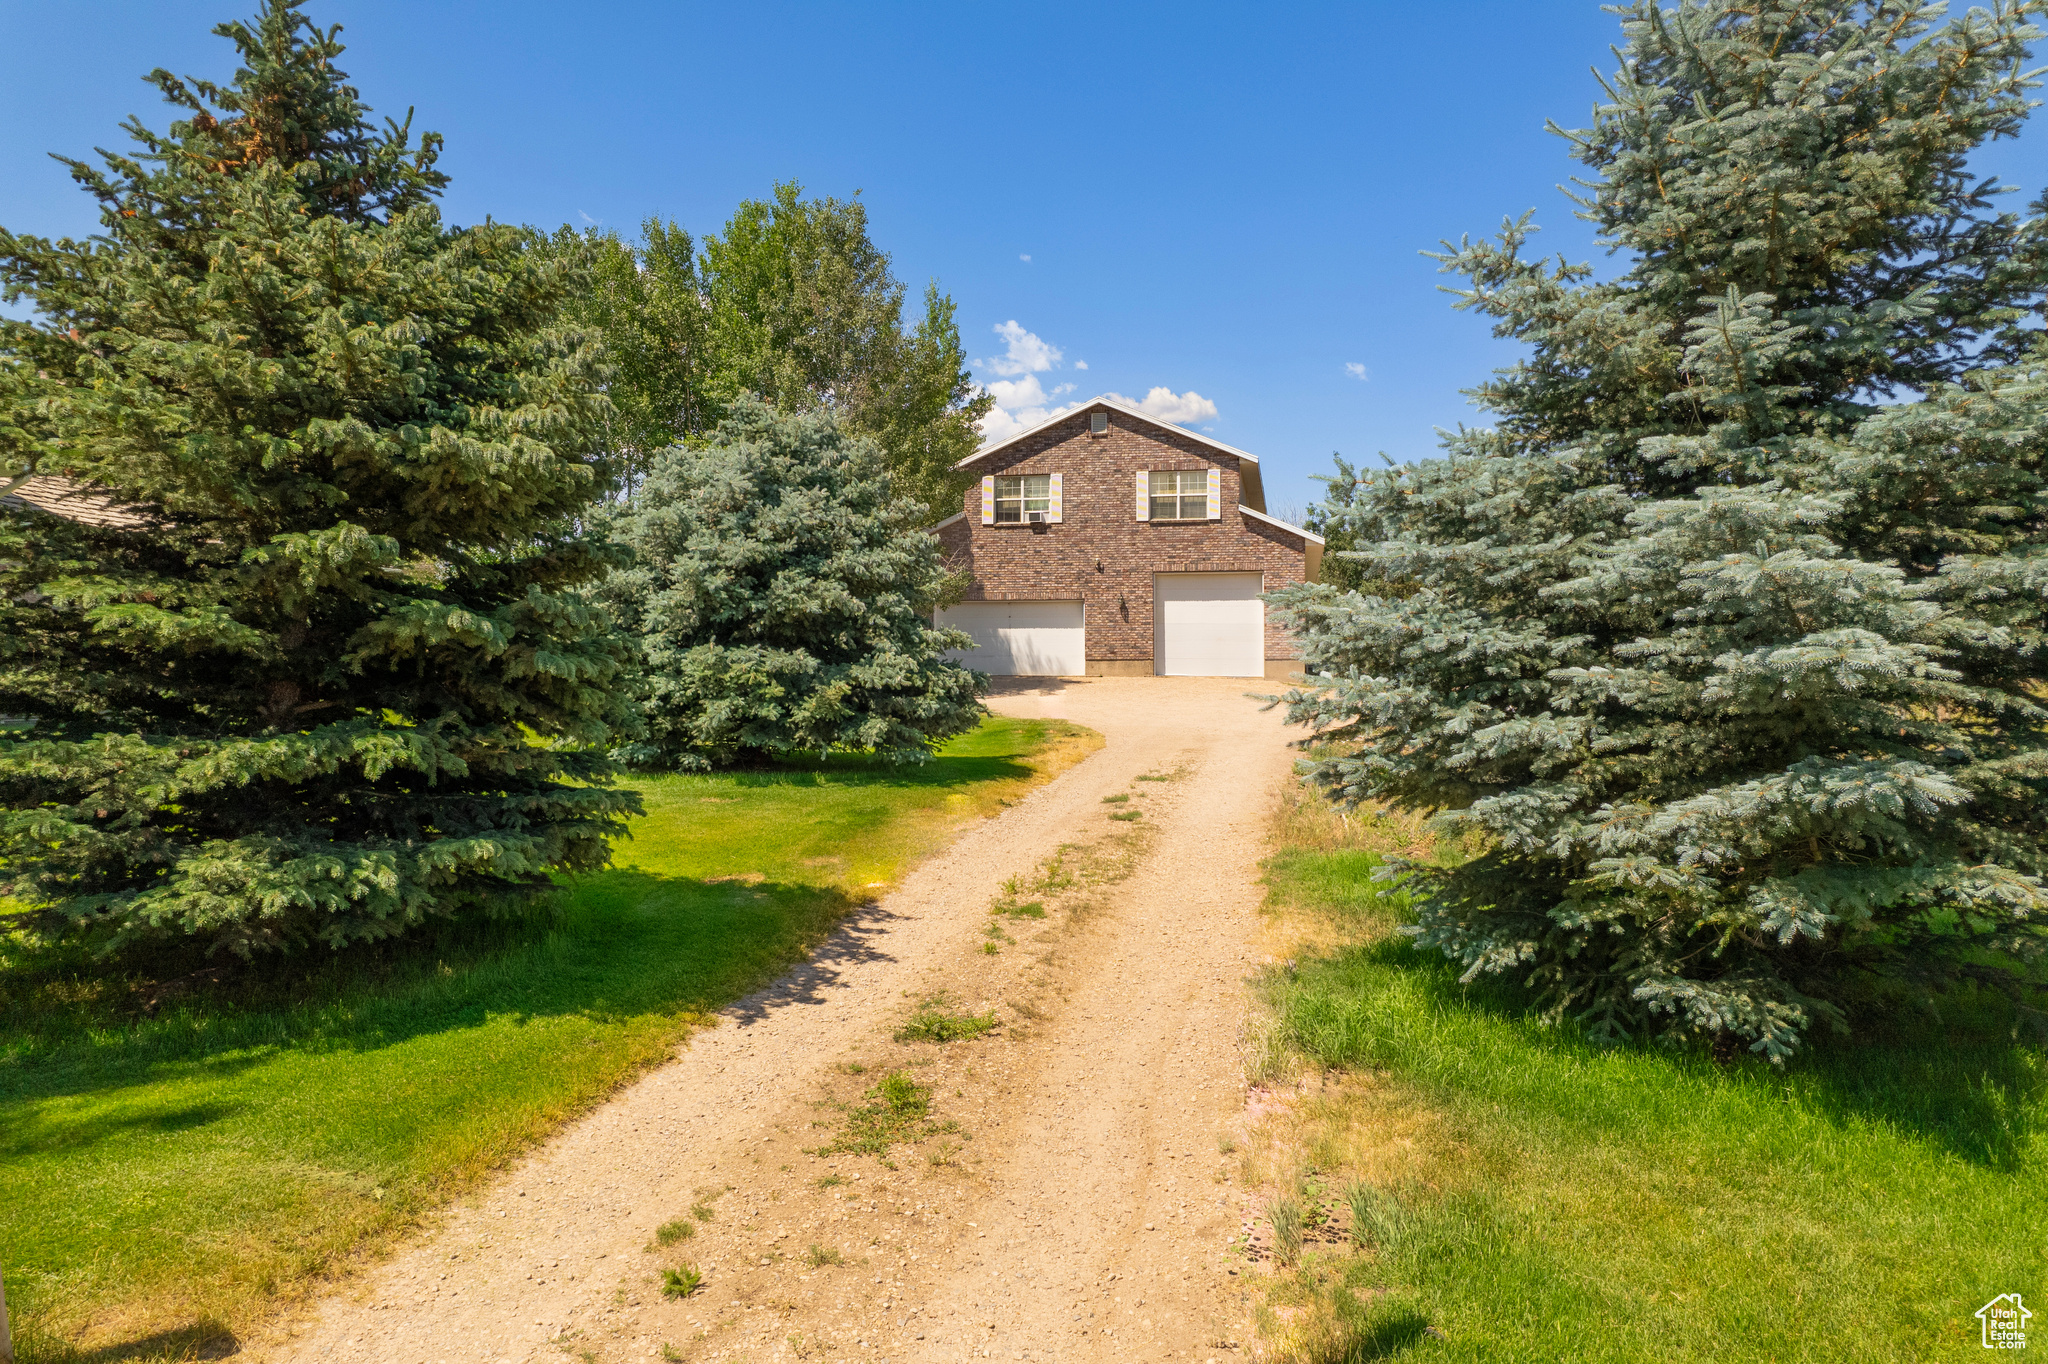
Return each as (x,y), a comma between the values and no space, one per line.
(1114,406)
(956,516)
(1289,526)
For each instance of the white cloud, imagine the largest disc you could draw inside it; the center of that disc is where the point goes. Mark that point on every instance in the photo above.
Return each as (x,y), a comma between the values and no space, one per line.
(999,425)
(1182,409)
(1025,259)
(1022,401)
(1018,393)
(1024,352)
(585,216)
(1020,405)
(1355,370)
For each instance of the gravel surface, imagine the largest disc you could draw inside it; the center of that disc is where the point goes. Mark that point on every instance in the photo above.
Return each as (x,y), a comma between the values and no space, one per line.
(1064,1198)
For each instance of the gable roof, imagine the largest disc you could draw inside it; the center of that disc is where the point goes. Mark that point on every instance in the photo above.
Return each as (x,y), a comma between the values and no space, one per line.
(1113,405)
(1252,483)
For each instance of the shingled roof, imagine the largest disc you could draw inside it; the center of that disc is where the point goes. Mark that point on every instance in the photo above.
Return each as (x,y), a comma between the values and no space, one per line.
(84,503)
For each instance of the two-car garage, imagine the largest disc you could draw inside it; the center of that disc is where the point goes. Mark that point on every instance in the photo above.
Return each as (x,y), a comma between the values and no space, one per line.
(1203,625)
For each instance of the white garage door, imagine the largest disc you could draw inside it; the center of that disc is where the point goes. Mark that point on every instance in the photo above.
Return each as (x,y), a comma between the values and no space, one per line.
(1021,638)
(1208,625)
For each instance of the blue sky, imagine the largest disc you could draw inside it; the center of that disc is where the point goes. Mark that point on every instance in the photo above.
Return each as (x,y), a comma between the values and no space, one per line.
(1224,203)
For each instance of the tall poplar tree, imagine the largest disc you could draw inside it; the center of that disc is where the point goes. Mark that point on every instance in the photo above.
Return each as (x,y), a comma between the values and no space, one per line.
(793,303)
(332,670)
(1724,644)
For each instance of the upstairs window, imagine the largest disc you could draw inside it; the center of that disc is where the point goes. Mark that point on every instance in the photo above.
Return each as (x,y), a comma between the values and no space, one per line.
(1180,495)
(1018,495)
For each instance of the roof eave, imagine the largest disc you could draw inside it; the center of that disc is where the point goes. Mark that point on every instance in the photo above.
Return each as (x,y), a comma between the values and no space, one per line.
(1287,526)
(1113,405)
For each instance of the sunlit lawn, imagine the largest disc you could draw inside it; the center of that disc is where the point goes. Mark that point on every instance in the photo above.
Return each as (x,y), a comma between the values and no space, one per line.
(1568,1202)
(164,1179)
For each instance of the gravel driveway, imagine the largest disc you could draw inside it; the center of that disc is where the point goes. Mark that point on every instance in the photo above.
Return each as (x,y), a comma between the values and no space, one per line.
(1068,1200)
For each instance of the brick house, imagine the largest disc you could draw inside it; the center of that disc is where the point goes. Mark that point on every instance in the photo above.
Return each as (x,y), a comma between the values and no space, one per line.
(1108,543)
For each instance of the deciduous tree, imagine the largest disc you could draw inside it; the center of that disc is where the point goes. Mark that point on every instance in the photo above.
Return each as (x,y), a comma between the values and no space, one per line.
(794,304)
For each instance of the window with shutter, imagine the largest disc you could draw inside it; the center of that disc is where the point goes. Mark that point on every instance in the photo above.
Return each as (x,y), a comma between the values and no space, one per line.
(1180,495)
(1023,497)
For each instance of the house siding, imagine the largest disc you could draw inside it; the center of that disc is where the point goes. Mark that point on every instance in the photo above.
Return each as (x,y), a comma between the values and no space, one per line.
(1099,551)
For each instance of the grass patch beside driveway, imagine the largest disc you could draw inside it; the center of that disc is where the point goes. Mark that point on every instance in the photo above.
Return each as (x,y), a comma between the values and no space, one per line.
(1532,1196)
(165,1177)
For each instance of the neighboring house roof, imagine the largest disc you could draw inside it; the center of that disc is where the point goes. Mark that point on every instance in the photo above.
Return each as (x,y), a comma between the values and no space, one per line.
(73,501)
(1252,484)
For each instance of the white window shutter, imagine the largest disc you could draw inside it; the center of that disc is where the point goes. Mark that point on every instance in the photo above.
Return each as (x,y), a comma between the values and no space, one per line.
(1215,494)
(1144,495)
(988,501)
(1053,500)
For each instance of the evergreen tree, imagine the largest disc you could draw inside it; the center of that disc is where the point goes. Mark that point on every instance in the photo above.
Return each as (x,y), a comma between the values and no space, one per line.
(783,598)
(794,304)
(336,672)
(1729,667)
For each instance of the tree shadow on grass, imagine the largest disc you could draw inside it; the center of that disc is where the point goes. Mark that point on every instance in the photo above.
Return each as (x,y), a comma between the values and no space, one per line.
(624,944)
(202,1340)
(1384,1335)
(1962,1083)
(961,769)
(46,1134)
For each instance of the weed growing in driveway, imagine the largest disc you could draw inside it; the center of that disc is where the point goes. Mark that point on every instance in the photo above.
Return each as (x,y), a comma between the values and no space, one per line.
(830,1181)
(703,1212)
(1118,799)
(1033,910)
(1128,814)
(898,1109)
(668,1233)
(1286,1214)
(817,1257)
(681,1283)
(932,1023)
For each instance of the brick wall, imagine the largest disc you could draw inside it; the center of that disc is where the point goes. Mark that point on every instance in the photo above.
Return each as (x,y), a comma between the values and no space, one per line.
(1099,551)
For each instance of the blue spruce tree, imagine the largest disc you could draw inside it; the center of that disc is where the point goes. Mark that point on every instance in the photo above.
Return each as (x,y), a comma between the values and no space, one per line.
(783,598)
(1722,648)
(315,661)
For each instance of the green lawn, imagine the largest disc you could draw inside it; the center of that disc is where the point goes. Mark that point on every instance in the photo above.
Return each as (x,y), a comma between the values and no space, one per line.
(165,1178)
(1565,1202)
